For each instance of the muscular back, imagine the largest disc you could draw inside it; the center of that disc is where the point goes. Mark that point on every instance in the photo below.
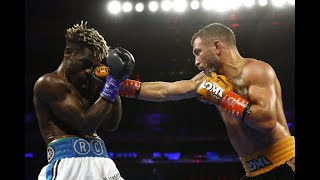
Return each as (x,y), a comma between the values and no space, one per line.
(266,124)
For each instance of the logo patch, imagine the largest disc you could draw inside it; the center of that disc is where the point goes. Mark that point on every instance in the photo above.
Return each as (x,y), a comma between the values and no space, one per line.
(50,153)
(213,88)
(81,146)
(96,147)
(258,163)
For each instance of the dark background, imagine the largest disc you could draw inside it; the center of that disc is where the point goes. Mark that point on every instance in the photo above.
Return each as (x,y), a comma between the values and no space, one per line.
(160,43)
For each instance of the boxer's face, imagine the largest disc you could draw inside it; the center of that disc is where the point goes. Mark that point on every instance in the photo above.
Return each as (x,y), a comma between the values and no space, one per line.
(205,56)
(80,67)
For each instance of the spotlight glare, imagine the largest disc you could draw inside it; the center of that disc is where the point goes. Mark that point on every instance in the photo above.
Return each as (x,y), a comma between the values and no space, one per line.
(153,6)
(127,7)
(194,4)
(139,7)
(278,3)
(221,6)
(114,7)
(166,5)
(248,3)
(236,4)
(179,5)
(291,2)
(207,4)
(263,2)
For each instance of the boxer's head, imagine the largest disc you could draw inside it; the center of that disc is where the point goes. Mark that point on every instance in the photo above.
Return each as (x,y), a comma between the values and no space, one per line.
(85,49)
(208,44)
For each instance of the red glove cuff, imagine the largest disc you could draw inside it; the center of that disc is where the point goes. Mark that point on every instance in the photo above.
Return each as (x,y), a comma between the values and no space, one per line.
(236,105)
(130,88)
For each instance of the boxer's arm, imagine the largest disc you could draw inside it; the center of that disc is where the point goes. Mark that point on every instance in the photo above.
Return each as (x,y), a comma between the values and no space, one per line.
(168,91)
(262,96)
(111,123)
(68,108)
(161,91)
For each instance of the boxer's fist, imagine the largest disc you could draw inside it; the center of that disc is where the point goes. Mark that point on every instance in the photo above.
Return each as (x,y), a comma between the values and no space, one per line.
(218,90)
(121,64)
(213,87)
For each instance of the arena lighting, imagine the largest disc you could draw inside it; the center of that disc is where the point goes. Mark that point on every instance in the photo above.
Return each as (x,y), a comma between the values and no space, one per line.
(126,7)
(168,155)
(114,7)
(278,3)
(153,6)
(172,155)
(179,5)
(28,155)
(124,155)
(166,5)
(194,4)
(117,6)
(236,4)
(221,6)
(139,7)
(262,2)
(207,4)
(291,2)
(234,25)
(248,3)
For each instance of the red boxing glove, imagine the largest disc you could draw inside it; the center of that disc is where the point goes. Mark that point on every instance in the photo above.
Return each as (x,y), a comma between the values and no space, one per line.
(130,88)
(236,105)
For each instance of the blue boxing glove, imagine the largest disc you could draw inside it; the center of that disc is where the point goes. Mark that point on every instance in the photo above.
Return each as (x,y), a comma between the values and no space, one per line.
(121,64)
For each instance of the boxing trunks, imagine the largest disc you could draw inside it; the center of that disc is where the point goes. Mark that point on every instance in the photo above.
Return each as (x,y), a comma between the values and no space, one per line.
(75,158)
(273,161)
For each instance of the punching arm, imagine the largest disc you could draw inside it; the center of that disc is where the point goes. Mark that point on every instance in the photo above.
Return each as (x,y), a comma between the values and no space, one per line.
(158,91)
(161,91)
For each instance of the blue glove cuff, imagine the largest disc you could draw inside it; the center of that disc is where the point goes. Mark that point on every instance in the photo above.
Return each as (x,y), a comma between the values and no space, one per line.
(111,88)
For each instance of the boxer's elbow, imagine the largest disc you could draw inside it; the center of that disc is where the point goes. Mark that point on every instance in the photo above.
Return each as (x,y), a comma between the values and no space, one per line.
(264,122)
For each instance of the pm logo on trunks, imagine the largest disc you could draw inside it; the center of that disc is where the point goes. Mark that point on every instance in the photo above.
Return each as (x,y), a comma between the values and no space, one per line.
(50,153)
(258,163)
(83,147)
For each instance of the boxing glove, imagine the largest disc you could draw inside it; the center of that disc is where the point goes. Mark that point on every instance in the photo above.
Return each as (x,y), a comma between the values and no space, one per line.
(216,89)
(130,88)
(121,64)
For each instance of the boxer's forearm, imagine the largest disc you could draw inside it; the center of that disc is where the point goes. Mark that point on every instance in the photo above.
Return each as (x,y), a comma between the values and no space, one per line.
(166,91)
(154,91)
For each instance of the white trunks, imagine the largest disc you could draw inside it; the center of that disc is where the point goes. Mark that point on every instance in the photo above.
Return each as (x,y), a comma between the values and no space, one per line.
(75,158)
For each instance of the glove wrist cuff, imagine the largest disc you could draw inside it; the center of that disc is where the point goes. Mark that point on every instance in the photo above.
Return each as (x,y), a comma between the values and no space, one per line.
(111,88)
(130,88)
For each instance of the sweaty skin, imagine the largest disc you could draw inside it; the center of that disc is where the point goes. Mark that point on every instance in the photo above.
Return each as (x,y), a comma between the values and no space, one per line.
(252,79)
(63,104)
